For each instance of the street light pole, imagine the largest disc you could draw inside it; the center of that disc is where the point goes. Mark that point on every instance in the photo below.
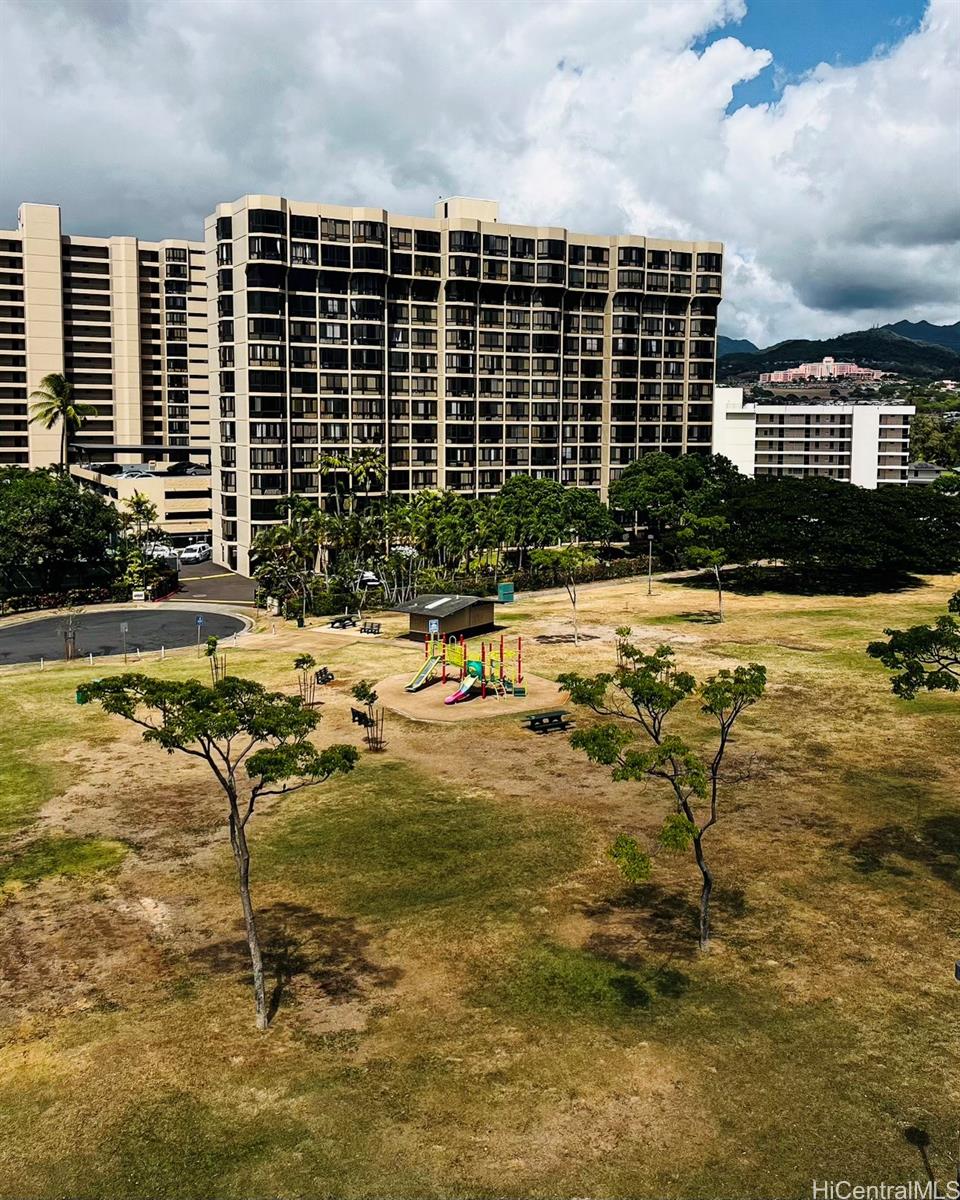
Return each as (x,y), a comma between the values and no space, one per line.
(649,564)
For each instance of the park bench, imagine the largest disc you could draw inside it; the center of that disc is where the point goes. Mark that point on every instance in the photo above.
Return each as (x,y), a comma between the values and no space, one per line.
(324,676)
(344,622)
(370,627)
(548,722)
(361,718)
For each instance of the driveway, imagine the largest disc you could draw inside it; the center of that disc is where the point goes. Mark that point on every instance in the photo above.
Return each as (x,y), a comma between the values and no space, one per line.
(208,581)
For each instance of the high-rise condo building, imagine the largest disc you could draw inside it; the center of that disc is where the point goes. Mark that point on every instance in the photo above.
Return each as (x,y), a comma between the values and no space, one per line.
(466,350)
(126,322)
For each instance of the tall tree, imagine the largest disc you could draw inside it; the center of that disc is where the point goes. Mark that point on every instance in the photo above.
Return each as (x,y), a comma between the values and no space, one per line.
(234,724)
(52,403)
(53,533)
(661,490)
(642,694)
(926,657)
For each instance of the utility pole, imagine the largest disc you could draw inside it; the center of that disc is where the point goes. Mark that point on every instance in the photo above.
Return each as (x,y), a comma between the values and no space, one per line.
(649,564)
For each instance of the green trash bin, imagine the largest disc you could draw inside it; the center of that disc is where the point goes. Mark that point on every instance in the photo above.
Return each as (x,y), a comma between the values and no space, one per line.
(505,593)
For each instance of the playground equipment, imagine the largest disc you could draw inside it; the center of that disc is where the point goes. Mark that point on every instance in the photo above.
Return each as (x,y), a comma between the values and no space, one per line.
(424,674)
(467,684)
(504,668)
(499,669)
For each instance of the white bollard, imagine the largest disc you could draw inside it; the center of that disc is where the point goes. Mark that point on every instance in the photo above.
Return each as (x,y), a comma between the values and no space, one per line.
(91,658)
(138,654)
(41,664)
(163,653)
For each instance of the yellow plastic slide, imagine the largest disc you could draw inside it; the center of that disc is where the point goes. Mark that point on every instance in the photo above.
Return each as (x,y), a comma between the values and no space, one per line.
(423,675)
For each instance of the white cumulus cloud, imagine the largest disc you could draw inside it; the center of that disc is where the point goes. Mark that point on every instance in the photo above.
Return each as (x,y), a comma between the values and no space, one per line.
(838,203)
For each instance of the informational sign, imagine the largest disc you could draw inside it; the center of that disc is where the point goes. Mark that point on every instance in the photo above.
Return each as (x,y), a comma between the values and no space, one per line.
(200,619)
(433,625)
(124,627)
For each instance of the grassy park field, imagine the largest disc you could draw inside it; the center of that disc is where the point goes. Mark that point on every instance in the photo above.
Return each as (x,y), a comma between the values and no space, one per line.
(469,999)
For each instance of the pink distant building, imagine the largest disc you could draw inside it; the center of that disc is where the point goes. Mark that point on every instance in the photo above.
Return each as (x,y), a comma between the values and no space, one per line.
(828,369)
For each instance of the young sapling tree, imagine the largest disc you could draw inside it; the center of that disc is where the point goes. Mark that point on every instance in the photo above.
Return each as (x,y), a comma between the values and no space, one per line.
(306,679)
(567,562)
(254,742)
(642,694)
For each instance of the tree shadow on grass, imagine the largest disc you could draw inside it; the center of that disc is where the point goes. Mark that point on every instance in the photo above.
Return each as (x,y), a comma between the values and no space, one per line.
(664,920)
(301,946)
(933,844)
(703,616)
(620,950)
(751,581)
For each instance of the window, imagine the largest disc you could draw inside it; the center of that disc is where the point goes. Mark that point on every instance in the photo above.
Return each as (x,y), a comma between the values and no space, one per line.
(304,252)
(266,220)
(270,248)
(369,258)
(464,241)
(495,245)
(521,247)
(334,231)
(224,228)
(304,227)
(427,240)
(335,256)
(551,248)
(174,254)
(369,231)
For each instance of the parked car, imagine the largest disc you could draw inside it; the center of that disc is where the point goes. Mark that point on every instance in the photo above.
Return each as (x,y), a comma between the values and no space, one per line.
(187,468)
(196,552)
(159,550)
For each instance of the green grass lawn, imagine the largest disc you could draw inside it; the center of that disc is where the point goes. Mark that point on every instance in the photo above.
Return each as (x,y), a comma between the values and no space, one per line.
(468,1000)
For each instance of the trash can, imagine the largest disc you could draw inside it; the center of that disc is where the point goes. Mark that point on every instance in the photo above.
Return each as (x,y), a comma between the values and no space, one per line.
(505,593)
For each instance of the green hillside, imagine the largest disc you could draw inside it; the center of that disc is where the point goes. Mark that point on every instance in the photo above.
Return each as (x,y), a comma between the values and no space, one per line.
(923,331)
(877,348)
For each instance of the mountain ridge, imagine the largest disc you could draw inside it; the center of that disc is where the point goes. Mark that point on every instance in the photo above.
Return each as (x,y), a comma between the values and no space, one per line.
(879,348)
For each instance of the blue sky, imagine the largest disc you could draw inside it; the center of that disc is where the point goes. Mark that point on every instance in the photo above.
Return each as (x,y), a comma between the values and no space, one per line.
(802,33)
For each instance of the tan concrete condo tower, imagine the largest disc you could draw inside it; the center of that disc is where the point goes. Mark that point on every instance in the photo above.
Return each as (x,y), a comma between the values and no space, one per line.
(124,320)
(466,349)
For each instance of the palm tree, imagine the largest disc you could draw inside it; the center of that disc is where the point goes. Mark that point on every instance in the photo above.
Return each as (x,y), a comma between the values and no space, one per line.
(53,402)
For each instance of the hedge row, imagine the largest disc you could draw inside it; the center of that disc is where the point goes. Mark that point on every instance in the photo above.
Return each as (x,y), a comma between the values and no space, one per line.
(73,597)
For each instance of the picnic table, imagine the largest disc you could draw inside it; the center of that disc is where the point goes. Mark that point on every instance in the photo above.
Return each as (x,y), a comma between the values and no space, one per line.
(549,722)
(361,718)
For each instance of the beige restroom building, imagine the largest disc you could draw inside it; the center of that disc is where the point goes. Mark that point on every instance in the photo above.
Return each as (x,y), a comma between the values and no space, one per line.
(125,320)
(466,349)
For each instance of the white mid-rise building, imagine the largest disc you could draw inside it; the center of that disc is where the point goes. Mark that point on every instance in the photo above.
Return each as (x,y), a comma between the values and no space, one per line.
(863,443)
